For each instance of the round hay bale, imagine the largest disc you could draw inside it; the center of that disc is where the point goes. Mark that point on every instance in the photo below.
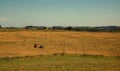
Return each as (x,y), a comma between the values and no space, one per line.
(41,46)
(35,45)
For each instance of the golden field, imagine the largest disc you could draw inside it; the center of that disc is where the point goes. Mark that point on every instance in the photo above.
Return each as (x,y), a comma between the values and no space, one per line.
(20,43)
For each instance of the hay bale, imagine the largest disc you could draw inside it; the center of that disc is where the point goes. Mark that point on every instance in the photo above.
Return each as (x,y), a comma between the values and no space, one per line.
(35,45)
(41,46)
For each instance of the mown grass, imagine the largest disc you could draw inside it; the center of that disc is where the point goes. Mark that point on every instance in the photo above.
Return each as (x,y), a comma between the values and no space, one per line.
(60,63)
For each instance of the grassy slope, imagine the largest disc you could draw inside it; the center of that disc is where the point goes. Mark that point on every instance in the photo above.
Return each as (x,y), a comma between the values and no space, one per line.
(61,63)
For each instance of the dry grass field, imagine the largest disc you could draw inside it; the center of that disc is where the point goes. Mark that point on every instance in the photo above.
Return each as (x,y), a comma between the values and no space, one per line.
(62,51)
(20,43)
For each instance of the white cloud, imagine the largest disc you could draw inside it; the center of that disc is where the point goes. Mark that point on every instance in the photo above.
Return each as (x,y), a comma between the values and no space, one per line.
(3,19)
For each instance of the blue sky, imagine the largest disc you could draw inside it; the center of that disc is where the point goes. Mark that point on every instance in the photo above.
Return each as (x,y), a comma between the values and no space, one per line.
(60,12)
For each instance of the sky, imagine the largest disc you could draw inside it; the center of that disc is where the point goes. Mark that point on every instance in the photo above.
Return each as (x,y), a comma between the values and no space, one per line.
(20,13)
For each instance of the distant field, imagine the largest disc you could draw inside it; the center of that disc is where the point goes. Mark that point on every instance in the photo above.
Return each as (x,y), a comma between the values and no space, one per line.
(20,43)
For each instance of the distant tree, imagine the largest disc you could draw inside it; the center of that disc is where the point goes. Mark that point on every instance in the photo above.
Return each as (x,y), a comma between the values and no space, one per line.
(31,27)
(58,28)
(45,28)
(80,28)
(28,27)
(77,29)
(69,28)
(41,27)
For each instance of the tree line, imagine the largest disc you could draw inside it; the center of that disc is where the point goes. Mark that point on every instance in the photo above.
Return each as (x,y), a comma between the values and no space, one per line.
(90,29)
(77,28)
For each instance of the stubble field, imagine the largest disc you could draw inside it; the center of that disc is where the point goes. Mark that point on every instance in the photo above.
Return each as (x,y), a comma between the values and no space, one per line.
(20,43)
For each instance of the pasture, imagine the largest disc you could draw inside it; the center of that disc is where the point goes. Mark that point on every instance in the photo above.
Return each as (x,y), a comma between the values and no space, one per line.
(20,43)
(63,51)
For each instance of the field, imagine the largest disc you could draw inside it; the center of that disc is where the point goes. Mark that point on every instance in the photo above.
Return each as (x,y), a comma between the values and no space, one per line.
(20,43)
(61,63)
(63,51)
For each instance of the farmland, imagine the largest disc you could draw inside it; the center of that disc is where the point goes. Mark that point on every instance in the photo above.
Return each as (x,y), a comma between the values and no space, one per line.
(63,51)
(20,43)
